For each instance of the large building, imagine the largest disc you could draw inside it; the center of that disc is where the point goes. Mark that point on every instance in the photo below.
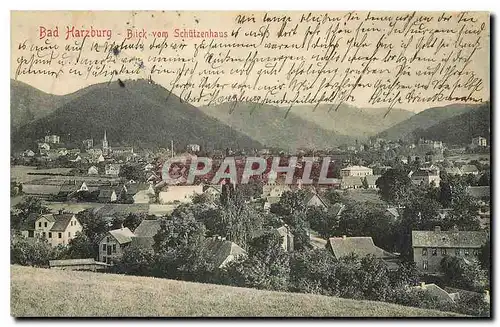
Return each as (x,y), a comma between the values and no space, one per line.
(57,229)
(478,142)
(113,243)
(55,139)
(357,171)
(426,177)
(429,247)
(361,246)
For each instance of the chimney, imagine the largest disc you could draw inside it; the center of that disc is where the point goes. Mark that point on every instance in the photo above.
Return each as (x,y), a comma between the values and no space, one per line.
(437,228)
(422,284)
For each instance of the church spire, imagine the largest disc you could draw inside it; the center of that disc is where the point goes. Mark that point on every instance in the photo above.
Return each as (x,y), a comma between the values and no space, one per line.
(105,146)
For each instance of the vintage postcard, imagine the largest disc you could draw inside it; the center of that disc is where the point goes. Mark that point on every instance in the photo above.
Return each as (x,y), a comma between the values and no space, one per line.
(250,164)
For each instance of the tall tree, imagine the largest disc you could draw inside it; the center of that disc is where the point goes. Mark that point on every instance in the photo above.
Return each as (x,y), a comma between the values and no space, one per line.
(394,186)
(22,210)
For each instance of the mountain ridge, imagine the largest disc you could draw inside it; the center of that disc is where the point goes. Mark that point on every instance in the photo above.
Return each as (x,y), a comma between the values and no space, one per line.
(133,113)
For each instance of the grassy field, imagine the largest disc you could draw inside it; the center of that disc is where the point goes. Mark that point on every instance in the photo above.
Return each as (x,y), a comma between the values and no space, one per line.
(21,173)
(55,293)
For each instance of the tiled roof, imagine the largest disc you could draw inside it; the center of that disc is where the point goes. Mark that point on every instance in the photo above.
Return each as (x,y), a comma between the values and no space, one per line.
(122,235)
(147,228)
(361,246)
(106,192)
(29,224)
(449,239)
(125,209)
(220,250)
(423,173)
(61,222)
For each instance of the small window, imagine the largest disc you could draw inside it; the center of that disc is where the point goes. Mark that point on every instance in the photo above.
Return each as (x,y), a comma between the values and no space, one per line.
(59,235)
(443,251)
(466,252)
(31,233)
(107,239)
(40,224)
(475,252)
(50,234)
(457,252)
(108,260)
(114,248)
(424,251)
(45,224)
(425,265)
(104,259)
(69,234)
(43,234)
(104,247)
(434,252)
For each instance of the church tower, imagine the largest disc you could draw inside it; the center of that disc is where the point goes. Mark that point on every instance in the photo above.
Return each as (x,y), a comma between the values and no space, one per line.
(105,146)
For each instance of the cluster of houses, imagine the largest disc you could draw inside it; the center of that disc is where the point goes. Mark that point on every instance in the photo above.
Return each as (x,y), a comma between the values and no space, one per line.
(101,183)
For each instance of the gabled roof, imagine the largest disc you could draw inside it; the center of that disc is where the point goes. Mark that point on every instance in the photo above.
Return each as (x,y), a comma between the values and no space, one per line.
(29,223)
(393,211)
(315,195)
(49,217)
(449,239)
(361,246)
(61,222)
(125,209)
(122,235)
(220,250)
(423,173)
(133,188)
(147,228)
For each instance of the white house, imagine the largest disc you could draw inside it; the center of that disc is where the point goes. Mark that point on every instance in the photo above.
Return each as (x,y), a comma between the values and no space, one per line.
(112,169)
(113,243)
(179,193)
(358,171)
(93,170)
(57,229)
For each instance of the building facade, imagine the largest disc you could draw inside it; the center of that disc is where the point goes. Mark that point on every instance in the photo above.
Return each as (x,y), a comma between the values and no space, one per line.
(357,171)
(429,247)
